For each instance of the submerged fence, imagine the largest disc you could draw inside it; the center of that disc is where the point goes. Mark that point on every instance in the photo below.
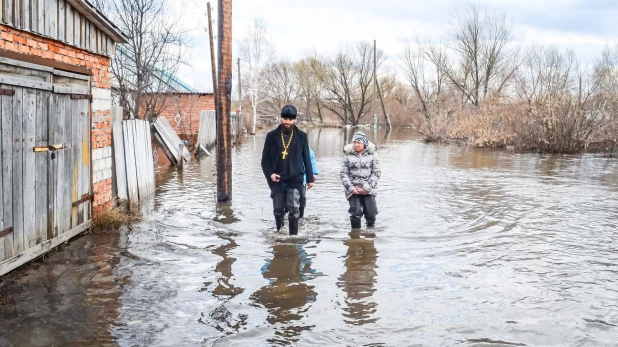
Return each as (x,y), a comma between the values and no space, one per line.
(133,160)
(207,133)
(170,142)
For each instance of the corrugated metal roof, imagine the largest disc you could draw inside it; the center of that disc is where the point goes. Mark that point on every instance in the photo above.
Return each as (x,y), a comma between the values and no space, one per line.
(176,84)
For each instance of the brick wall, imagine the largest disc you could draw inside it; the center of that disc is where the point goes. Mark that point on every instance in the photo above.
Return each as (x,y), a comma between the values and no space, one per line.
(188,106)
(26,43)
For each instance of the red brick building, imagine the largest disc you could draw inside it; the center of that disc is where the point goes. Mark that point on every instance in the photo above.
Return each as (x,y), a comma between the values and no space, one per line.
(55,99)
(182,110)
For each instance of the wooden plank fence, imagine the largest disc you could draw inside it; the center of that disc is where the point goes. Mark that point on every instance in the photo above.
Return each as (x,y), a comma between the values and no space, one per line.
(207,133)
(170,141)
(133,160)
(237,126)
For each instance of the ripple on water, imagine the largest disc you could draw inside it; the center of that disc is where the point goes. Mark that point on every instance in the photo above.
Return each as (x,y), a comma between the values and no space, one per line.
(471,247)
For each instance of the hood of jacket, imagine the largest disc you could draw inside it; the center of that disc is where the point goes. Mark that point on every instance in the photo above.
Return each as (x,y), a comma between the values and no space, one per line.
(349,148)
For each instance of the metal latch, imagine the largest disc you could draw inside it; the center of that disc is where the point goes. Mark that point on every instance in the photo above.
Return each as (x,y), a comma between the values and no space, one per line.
(51,148)
(85,197)
(48,148)
(6,231)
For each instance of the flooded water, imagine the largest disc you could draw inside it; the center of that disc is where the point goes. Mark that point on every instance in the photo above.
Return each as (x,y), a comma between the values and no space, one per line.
(471,247)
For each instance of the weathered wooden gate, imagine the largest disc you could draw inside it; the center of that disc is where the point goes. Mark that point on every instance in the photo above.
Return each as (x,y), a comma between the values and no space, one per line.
(45,176)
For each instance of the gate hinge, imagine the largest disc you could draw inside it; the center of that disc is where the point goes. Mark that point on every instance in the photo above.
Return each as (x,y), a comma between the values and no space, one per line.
(81,96)
(6,231)
(4,91)
(85,198)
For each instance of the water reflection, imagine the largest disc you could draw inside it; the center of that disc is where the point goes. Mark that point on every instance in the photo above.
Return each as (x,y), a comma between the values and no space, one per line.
(224,289)
(469,239)
(71,297)
(221,317)
(287,295)
(358,281)
(225,213)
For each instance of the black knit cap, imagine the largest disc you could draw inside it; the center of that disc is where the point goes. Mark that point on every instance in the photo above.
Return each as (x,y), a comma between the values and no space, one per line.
(288,111)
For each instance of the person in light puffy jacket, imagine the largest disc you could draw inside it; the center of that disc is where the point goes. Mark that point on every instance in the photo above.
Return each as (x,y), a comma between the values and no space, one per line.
(360,173)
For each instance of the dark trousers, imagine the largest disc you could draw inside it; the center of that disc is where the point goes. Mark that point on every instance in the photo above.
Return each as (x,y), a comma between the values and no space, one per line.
(303,200)
(288,199)
(363,205)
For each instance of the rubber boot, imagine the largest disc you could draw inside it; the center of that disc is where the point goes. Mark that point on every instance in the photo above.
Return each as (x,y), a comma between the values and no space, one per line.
(355,222)
(302,211)
(293,226)
(371,223)
(280,221)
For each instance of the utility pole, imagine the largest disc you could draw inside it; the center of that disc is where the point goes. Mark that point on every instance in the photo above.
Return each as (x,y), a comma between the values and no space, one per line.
(240,116)
(377,86)
(224,91)
(212,58)
(239,89)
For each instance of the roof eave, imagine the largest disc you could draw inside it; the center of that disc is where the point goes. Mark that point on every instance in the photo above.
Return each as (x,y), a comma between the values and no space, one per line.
(97,18)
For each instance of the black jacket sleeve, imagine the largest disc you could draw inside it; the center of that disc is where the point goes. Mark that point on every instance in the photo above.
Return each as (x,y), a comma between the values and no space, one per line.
(307,160)
(266,162)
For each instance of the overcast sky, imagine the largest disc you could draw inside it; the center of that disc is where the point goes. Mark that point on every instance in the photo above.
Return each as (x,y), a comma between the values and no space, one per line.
(296,26)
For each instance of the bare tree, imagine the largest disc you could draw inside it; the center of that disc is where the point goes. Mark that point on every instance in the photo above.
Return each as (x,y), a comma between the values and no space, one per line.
(283,87)
(256,55)
(143,69)
(606,78)
(307,70)
(559,108)
(426,81)
(347,78)
(476,60)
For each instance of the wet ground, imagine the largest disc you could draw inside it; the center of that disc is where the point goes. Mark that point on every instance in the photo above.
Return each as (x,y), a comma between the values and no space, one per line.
(472,247)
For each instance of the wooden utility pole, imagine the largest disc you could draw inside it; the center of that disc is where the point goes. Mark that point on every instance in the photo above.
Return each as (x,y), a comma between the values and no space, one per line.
(224,92)
(241,118)
(377,86)
(375,92)
(239,90)
(212,57)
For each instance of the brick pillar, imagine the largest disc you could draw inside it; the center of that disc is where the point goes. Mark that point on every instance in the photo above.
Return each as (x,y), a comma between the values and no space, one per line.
(101,150)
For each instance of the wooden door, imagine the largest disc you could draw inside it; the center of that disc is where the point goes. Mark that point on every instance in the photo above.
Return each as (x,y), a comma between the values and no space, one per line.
(70,195)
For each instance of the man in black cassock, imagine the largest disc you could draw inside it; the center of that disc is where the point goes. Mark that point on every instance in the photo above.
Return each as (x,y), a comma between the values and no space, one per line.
(285,160)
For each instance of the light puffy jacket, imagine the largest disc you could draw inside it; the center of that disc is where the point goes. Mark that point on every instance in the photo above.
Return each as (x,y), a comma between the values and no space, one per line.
(360,170)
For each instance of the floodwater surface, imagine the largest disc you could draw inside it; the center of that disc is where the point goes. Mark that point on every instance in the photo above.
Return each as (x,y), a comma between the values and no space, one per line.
(471,247)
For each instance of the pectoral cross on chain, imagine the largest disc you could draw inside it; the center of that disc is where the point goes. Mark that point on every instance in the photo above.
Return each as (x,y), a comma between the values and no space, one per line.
(286,146)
